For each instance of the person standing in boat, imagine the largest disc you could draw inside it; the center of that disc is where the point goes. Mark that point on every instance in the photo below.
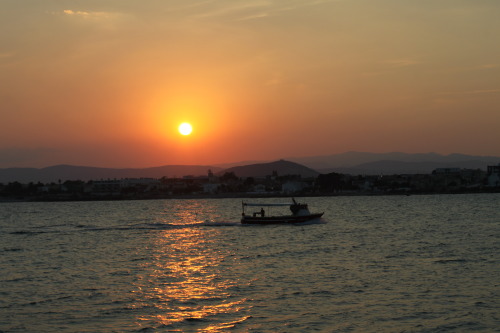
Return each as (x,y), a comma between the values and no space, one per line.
(262,212)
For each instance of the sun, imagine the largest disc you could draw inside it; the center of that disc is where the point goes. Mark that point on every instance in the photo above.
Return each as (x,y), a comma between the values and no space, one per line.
(185,128)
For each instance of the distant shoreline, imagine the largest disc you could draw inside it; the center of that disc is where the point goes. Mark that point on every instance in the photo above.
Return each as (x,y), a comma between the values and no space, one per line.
(70,198)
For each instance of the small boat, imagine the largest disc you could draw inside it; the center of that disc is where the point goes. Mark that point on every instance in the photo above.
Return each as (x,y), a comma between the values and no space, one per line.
(299,213)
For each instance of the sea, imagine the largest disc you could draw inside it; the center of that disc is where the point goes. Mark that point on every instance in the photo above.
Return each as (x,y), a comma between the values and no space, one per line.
(420,263)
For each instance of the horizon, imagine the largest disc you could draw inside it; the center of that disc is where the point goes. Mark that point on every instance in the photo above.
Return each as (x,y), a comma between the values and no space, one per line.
(227,165)
(107,83)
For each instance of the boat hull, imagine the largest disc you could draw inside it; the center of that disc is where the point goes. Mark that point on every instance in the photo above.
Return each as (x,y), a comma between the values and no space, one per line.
(289,219)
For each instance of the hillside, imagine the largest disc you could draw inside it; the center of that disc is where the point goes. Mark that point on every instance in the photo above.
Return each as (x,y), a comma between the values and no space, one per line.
(353,163)
(393,163)
(69,172)
(261,170)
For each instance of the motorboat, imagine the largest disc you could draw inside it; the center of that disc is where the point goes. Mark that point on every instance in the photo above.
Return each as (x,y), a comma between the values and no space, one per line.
(299,213)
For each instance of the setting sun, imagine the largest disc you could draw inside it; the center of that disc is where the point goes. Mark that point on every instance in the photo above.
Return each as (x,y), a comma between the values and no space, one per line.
(185,128)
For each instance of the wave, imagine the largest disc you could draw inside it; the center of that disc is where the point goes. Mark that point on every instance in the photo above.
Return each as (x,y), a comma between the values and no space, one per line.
(209,223)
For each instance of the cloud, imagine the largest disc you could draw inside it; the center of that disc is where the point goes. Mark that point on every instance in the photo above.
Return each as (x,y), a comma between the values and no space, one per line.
(83,13)
(6,55)
(246,10)
(239,9)
(301,4)
(7,58)
(254,16)
(102,19)
(90,14)
(388,66)
(470,92)
(489,66)
(275,9)
(403,62)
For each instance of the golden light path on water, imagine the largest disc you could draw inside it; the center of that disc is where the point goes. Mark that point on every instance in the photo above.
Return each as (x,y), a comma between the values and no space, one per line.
(182,282)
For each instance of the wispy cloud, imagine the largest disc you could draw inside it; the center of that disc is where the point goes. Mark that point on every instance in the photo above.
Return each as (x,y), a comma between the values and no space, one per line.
(6,55)
(241,10)
(475,68)
(489,66)
(301,4)
(250,10)
(91,15)
(108,20)
(403,62)
(384,67)
(7,58)
(254,16)
(274,9)
(470,92)
(86,14)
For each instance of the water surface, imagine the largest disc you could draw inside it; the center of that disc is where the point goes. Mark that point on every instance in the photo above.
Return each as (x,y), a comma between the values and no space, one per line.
(372,264)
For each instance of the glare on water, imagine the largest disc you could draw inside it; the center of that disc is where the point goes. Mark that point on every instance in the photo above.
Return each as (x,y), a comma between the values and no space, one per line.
(182,281)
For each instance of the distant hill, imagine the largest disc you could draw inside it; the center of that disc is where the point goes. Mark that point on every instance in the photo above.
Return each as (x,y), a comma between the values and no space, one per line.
(354,163)
(261,170)
(69,172)
(240,163)
(397,167)
(393,163)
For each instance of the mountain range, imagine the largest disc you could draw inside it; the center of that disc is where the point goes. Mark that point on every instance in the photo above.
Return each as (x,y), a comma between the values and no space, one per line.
(70,172)
(360,163)
(353,163)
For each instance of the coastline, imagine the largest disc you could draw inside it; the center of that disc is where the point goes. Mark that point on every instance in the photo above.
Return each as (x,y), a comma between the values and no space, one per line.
(149,196)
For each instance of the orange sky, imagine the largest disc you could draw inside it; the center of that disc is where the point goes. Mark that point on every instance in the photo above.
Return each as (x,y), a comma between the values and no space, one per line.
(106,82)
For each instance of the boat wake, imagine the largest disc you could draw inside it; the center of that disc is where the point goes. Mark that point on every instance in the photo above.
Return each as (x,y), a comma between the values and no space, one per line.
(209,223)
(313,221)
(170,225)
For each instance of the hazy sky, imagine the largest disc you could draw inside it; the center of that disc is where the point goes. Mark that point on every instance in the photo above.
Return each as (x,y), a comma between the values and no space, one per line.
(107,82)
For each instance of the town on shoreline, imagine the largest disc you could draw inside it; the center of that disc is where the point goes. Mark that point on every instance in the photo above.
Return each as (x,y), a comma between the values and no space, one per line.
(229,185)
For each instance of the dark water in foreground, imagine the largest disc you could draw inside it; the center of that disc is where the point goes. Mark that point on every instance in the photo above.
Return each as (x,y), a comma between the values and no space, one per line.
(372,264)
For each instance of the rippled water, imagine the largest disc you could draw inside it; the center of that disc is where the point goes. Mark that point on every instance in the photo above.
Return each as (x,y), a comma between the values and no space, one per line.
(372,264)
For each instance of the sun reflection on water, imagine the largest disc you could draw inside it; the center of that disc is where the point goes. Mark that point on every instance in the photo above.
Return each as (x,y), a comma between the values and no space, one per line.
(183,283)
(190,212)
